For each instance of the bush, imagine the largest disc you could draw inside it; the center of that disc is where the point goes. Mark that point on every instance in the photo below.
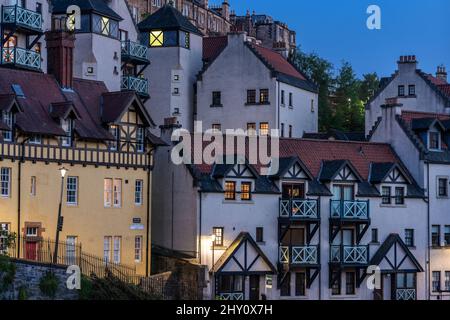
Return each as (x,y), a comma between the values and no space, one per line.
(7,272)
(23,293)
(49,284)
(85,292)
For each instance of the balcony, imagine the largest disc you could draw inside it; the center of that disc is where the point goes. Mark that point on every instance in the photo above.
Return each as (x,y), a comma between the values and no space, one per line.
(139,85)
(349,210)
(298,209)
(231,296)
(299,255)
(21,58)
(349,255)
(23,19)
(405,294)
(134,52)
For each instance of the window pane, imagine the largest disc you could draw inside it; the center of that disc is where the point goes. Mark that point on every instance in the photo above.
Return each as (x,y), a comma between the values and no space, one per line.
(230,190)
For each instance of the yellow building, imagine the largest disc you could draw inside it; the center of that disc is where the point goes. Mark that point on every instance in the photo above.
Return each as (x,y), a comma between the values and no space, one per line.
(52,121)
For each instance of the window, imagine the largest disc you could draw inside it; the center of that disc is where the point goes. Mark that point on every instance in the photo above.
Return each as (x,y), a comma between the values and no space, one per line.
(285,288)
(216,127)
(251,128)
(104,26)
(443,187)
(336,286)
(282,130)
(156,38)
(33,186)
(32,231)
(447,235)
(176,77)
(251,96)
(156,3)
(246,191)
(282,97)
(218,236)
(436,236)
(114,130)
(300,284)
(434,140)
(386,195)
(349,283)
(138,188)
(140,139)
(67,127)
(107,248)
(230,190)
(72,190)
(447,281)
(401,91)
(123,35)
(38,7)
(8,120)
(4,233)
(264,128)
(259,234)
(5,182)
(291,99)
(117,246)
(374,235)
(412,90)
(35,139)
(312,105)
(71,242)
(176,91)
(138,248)
(409,237)
(186,37)
(399,195)
(264,96)
(290,131)
(216,98)
(231,283)
(436,282)
(117,193)
(107,192)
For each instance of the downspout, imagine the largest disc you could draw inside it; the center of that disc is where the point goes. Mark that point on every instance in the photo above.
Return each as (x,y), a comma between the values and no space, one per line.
(147,242)
(19,178)
(320,248)
(200,228)
(428,263)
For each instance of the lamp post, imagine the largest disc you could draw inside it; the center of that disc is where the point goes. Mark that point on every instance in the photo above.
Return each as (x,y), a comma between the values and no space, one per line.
(59,222)
(213,289)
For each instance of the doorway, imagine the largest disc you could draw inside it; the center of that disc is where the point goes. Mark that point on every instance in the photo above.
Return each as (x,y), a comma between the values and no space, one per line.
(254,287)
(378,293)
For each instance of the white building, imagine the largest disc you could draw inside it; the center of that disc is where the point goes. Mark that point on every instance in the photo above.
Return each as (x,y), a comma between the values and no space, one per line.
(308,232)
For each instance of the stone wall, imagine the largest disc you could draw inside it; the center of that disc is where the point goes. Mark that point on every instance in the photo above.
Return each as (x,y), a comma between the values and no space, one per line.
(28,275)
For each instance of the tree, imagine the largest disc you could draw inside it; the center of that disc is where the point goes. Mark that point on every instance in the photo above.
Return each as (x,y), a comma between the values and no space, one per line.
(369,86)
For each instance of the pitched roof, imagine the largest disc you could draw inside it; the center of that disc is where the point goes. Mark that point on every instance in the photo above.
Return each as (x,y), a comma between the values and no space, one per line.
(213,46)
(96,6)
(336,134)
(168,18)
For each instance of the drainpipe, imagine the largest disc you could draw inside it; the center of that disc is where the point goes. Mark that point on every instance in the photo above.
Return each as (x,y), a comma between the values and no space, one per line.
(320,249)
(147,242)
(428,263)
(200,228)
(19,178)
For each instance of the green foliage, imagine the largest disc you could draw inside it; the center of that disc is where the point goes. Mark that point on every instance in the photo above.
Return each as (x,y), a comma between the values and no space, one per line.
(111,288)
(23,293)
(49,284)
(7,272)
(85,292)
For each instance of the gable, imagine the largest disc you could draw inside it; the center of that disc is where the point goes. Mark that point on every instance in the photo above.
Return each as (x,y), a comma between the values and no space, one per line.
(240,171)
(295,172)
(346,174)
(395,176)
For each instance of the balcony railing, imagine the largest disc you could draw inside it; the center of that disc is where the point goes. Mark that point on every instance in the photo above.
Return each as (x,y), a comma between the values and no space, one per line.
(301,255)
(349,254)
(299,209)
(22,17)
(405,294)
(134,50)
(344,209)
(21,57)
(231,296)
(139,85)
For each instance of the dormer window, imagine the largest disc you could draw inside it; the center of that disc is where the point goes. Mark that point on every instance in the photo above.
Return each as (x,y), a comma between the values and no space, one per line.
(434,140)
(105,26)
(8,119)
(67,126)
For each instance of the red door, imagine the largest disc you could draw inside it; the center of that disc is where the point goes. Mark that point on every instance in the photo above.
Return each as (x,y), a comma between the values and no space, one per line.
(31,250)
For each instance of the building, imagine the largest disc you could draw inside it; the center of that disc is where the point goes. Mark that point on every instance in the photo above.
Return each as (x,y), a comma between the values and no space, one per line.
(310,231)
(247,86)
(54,120)
(415,89)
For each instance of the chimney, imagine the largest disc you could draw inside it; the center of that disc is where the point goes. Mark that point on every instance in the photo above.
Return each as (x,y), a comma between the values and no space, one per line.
(170,125)
(441,73)
(226,10)
(407,64)
(389,111)
(60,44)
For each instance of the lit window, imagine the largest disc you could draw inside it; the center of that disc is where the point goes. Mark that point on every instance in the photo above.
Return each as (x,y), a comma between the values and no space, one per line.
(33,186)
(138,248)
(105,26)
(107,192)
(117,193)
(107,248)
(386,195)
(117,246)
(264,128)
(5,182)
(246,190)
(140,139)
(138,192)
(72,190)
(264,96)
(251,128)
(114,130)
(230,190)
(156,38)
(218,236)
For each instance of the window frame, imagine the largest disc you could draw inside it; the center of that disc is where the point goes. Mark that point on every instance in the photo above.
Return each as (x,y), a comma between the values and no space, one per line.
(251,97)
(69,202)
(138,192)
(350,286)
(436,282)
(300,284)
(117,250)
(386,198)
(259,234)
(5,184)
(117,193)
(438,140)
(107,240)
(264,96)
(399,198)
(436,235)
(409,238)
(447,235)
(33,181)
(138,248)
(439,188)
(411,90)
(230,194)
(374,235)
(216,99)
(246,195)
(264,131)
(401,91)
(218,236)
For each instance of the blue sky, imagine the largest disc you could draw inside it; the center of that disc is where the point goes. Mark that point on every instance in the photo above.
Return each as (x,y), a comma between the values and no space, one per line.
(336,30)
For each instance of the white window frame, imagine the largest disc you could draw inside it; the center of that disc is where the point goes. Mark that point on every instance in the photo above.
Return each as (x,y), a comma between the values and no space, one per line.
(114,130)
(138,192)
(5,182)
(107,240)
(107,192)
(72,181)
(67,126)
(117,244)
(33,186)
(34,232)
(138,248)
(35,139)
(117,193)
(140,138)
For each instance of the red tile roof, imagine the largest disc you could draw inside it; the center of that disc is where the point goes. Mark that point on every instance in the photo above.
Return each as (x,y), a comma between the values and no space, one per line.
(435,80)
(445,89)
(213,46)
(409,116)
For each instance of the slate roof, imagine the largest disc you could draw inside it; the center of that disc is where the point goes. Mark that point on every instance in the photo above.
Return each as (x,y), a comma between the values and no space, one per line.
(95,6)
(379,171)
(168,18)
(213,46)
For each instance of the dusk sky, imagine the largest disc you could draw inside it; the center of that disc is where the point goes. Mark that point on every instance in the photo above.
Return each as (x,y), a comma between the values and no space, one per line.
(336,30)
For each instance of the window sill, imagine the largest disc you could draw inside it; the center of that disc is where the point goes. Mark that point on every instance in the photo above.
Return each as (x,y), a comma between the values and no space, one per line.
(393,206)
(216,106)
(237,202)
(291,107)
(248,104)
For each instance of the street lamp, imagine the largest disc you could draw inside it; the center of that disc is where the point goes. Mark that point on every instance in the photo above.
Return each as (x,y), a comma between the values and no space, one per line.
(213,289)
(59,222)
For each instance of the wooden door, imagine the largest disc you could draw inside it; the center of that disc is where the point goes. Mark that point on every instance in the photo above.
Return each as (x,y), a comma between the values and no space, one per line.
(254,287)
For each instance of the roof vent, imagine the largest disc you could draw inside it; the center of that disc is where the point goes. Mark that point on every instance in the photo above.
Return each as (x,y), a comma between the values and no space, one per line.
(18,90)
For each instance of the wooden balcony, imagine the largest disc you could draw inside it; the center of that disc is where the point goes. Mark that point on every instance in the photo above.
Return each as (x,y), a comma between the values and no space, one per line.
(140,85)
(16,17)
(349,255)
(21,58)
(349,210)
(231,296)
(299,209)
(299,255)
(405,294)
(134,52)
